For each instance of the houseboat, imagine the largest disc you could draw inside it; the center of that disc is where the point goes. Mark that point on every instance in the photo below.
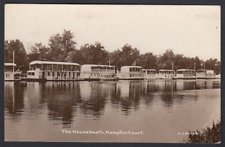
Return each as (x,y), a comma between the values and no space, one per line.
(205,74)
(97,72)
(130,73)
(185,74)
(53,71)
(9,72)
(166,74)
(149,73)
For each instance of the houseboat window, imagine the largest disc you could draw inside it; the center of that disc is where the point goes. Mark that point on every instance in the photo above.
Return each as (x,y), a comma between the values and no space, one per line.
(30,73)
(50,67)
(54,67)
(8,68)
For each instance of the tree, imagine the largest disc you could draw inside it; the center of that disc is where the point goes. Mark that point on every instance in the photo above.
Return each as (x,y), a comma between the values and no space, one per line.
(89,54)
(20,54)
(213,64)
(39,52)
(127,56)
(115,58)
(197,62)
(167,59)
(148,61)
(60,46)
(75,56)
(94,54)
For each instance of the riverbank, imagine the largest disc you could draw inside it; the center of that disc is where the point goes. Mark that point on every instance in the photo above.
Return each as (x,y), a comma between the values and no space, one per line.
(208,135)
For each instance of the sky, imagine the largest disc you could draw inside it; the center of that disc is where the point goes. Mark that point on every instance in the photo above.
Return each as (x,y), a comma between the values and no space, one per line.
(188,30)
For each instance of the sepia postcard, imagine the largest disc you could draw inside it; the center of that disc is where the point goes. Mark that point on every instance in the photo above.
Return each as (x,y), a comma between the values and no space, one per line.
(112,73)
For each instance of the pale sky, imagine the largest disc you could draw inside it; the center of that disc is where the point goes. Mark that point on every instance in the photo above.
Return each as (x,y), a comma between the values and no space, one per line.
(189,30)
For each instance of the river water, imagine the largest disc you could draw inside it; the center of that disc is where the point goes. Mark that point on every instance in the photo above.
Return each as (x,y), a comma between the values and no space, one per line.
(122,111)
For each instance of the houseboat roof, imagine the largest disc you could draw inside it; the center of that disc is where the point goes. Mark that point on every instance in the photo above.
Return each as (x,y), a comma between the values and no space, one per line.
(96,65)
(205,70)
(10,64)
(149,69)
(131,67)
(52,62)
(88,67)
(185,70)
(166,70)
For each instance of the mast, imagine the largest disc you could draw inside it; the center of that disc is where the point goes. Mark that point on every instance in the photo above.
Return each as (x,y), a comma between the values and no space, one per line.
(172,69)
(172,65)
(13,61)
(195,70)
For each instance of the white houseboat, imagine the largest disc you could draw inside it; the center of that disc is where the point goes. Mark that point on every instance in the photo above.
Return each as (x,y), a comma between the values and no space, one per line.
(149,73)
(205,74)
(185,74)
(166,74)
(97,72)
(9,72)
(130,73)
(53,71)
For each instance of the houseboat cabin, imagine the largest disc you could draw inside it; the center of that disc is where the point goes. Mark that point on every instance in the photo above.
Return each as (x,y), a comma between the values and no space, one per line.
(9,72)
(185,74)
(130,73)
(97,72)
(166,74)
(205,74)
(149,73)
(53,71)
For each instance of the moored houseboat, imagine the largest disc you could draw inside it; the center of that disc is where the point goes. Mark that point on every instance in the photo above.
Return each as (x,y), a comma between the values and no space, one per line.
(166,74)
(205,74)
(185,74)
(53,71)
(97,72)
(9,72)
(130,73)
(149,73)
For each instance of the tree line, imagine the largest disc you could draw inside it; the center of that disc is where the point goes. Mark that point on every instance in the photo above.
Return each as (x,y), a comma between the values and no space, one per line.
(62,47)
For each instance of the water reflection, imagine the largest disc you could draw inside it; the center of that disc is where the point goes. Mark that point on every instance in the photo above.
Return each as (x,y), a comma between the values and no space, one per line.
(66,102)
(14,98)
(94,96)
(62,99)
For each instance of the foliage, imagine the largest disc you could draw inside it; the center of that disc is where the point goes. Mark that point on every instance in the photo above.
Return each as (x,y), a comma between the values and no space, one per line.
(89,54)
(208,135)
(20,54)
(126,56)
(213,64)
(39,52)
(166,60)
(62,47)
(148,61)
